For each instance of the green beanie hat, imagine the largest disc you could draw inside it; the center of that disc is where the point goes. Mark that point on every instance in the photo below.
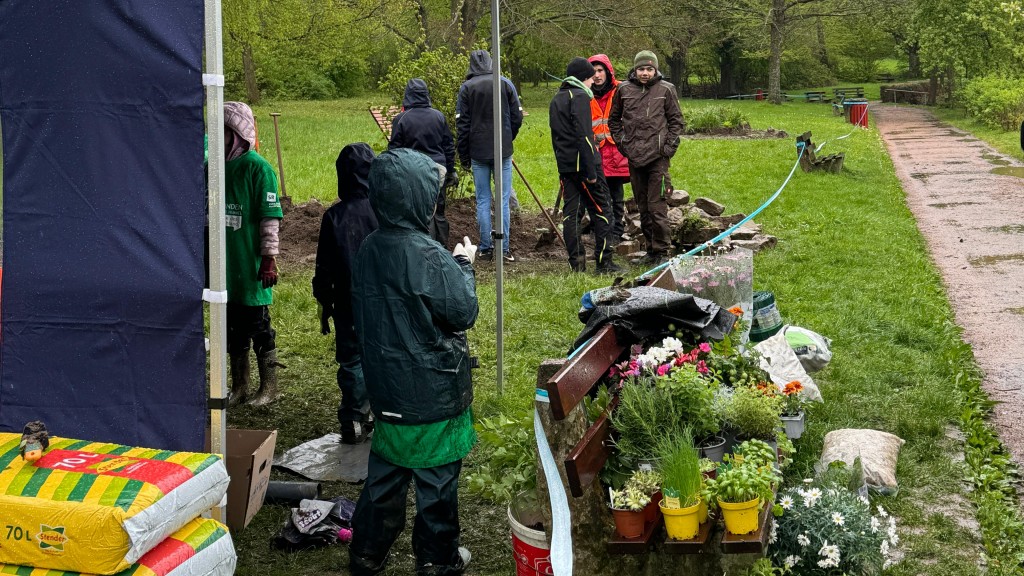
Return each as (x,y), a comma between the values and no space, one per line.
(645,58)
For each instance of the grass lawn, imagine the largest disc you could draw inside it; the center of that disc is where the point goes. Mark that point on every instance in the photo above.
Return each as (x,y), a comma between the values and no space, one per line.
(850,264)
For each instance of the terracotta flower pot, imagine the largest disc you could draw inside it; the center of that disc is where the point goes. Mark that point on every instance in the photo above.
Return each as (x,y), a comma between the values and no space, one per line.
(651,510)
(629,524)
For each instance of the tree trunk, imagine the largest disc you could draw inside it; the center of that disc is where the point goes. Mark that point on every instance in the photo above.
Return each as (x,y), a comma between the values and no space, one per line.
(914,60)
(252,90)
(470,19)
(776,23)
(822,51)
(933,88)
(680,71)
(726,68)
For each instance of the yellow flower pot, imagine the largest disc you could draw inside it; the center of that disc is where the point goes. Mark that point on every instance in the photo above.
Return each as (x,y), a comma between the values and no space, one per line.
(740,517)
(702,512)
(681,523)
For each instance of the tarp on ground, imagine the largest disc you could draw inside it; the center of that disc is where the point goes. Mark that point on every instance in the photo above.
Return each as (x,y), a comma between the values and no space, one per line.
(101,106)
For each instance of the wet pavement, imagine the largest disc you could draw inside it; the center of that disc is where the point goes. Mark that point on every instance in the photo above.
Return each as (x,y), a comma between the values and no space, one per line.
(968,200)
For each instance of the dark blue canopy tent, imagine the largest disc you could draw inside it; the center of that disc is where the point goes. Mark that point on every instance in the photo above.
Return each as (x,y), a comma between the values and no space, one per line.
(101,108)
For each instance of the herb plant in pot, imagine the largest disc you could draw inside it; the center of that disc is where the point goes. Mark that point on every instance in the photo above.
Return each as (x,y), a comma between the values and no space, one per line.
(739,490)
(694,394)
(628,510)
(793,415)
(648,482)
(753,414)
(681,486)
(645,414)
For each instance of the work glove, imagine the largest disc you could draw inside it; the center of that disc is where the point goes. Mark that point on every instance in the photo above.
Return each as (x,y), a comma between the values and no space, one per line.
(466,249)
(268,271)
(451,179)
(325,312)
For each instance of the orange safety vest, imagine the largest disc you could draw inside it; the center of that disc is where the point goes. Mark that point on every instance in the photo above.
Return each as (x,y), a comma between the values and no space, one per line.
(599,119)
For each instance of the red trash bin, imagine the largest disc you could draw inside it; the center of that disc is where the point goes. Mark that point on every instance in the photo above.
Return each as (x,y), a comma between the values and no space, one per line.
(859,113)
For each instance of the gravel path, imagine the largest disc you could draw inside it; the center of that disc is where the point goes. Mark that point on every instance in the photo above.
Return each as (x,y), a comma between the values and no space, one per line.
(973,221)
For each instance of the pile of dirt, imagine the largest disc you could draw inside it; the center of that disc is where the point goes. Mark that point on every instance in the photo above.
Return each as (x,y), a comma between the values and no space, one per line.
(531,236)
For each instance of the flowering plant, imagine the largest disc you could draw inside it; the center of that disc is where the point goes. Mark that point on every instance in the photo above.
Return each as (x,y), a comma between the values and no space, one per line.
(661,360)
(826,530)
(793,398)
(645,481)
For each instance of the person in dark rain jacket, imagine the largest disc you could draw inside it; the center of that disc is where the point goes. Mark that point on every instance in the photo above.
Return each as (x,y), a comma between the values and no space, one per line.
(423,128)
(579,168)
(342,231)
(413,302)
(646,123)
(474,121)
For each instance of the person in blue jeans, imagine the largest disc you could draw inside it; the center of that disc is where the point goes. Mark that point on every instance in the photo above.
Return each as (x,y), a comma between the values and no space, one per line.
(474,121)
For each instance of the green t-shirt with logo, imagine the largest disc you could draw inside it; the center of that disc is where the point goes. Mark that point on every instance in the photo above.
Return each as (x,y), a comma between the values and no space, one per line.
(250,196)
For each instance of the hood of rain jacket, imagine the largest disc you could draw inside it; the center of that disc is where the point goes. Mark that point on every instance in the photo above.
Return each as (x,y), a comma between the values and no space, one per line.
(412,300)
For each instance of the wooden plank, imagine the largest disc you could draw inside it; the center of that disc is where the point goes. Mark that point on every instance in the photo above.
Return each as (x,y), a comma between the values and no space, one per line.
(642,545)
(665,280)
(585,460)
(695,545)
(579,374)
(754,543)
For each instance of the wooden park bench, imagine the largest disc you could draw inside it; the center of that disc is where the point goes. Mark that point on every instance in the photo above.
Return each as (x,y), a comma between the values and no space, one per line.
(811,162)
(586,447)
(383,115)
(885,78)
(841,94)
(815,96)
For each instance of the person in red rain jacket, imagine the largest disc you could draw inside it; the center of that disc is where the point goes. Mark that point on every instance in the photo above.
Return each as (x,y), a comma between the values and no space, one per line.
(616,167)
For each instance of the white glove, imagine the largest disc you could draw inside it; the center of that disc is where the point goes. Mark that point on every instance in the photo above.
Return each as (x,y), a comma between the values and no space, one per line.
(465,248)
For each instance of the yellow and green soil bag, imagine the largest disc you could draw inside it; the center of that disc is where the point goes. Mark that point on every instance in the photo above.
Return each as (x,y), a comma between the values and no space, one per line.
(200,548)
(98,508)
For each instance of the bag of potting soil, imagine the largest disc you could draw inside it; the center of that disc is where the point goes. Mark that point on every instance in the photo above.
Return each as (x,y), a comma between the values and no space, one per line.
(97,508)
(202,547)
(813,349)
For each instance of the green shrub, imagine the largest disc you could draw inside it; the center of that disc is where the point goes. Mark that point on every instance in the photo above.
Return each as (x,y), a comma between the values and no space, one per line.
(710,118)
(997,101)
(443,72)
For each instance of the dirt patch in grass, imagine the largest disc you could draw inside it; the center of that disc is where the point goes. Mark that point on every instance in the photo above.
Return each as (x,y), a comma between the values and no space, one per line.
(300,231)
(738,134)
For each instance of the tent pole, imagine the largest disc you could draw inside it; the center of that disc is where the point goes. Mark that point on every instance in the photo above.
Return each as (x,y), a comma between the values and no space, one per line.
(218,277)
(499,184)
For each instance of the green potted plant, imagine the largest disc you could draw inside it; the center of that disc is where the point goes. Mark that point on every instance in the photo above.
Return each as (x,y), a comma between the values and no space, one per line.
(753,414)
(648,482)
(628,510)
(681,487)
(645,414)
(756,452)
(694,395)
(739,490)
(793,415)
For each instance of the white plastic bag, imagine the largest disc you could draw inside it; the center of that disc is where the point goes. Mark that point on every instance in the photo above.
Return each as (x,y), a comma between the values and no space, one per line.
(782,364)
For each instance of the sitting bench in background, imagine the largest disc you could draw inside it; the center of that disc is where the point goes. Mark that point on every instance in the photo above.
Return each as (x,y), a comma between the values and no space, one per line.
(841,94)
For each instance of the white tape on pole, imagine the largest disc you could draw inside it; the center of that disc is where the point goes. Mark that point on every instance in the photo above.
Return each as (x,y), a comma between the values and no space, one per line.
(561,522)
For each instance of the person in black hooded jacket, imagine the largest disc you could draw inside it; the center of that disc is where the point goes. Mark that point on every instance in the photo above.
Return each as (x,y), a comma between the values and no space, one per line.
(579,168)
(424,128)
(342,231)
(474,123)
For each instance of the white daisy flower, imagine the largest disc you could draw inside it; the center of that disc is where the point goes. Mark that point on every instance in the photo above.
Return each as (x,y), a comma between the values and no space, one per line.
(808,480)
(803,540)
(774,535)
(838,519)
(887,564)
(884,548)
(786,502)
(864,499)
(828,563)
(875,524)
(829,550)
(791,561)
(882,512)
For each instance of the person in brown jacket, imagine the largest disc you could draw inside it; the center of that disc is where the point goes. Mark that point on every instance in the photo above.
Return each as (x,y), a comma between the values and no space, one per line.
(646,122)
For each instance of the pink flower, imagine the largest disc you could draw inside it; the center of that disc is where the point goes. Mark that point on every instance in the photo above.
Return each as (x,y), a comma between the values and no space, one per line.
(704,347)
(664,368)
(702,367)
(614,371)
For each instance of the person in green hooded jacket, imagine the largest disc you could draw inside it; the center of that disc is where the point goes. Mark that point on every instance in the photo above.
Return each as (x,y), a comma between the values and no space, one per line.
(413,302)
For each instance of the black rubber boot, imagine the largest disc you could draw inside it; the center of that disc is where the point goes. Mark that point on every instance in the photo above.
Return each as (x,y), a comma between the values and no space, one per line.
(239,379)
(268,365)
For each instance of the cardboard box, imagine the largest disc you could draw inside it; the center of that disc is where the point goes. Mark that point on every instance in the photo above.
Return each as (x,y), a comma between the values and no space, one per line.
(250,455)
